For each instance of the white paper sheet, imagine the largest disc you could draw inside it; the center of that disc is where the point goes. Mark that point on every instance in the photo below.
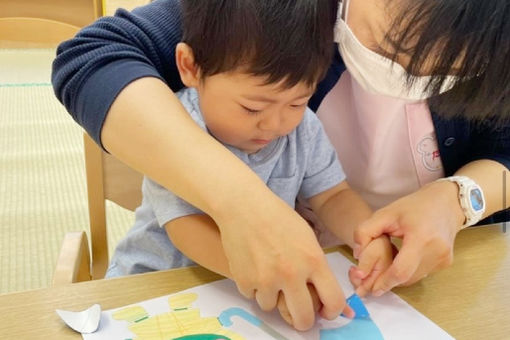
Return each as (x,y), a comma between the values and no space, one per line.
(394,318)
(86,321)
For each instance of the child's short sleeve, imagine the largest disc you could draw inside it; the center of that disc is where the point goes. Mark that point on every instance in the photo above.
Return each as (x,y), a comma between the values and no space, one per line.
(323,170)
(165,204)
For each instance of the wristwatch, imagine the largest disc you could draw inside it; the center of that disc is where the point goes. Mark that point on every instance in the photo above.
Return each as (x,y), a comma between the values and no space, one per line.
(471,199)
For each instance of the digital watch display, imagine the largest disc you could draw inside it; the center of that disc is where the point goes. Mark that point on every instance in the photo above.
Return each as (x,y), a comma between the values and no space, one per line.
(471,198)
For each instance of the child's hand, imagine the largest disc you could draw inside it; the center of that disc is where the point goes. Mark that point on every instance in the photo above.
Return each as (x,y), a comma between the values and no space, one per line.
(374,260)
(284,311)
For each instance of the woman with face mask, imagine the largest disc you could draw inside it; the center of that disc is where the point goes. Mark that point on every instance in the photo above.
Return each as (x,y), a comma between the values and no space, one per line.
(415,134)
(416,103)
(420,123)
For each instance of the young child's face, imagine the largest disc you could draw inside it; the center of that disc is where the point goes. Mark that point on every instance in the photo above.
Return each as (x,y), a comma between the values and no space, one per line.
(241,111)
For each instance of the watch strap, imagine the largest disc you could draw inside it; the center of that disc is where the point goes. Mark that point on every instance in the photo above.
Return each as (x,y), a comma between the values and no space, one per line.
(466,185)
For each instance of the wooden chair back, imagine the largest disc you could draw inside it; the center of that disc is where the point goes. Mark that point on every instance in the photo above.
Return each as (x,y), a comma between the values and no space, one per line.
(44,23)
(107,179)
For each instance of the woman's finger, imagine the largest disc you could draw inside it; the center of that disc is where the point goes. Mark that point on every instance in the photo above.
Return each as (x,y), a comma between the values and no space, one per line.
(368,282)
(330,293)
(300,306)
(402,269)
(428,266)
(245,289)
(380,223)
(267,299)
(282,308)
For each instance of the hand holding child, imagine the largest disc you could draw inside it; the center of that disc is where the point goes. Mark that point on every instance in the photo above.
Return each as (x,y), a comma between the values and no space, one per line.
(373,261)
(317,305)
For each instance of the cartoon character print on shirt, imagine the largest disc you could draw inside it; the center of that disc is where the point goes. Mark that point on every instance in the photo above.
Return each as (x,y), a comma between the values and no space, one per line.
(429,152)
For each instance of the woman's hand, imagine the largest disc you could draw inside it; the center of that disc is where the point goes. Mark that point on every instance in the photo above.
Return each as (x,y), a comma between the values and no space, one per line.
(375,259)
(277,251)
(427,221)
(284,310)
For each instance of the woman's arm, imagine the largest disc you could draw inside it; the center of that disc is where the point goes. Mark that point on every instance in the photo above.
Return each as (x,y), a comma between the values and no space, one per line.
(428,221)
(489,175)
(91,69)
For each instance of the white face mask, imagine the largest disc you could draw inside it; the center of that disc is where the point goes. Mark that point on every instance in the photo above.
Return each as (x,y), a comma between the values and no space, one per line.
(376,73)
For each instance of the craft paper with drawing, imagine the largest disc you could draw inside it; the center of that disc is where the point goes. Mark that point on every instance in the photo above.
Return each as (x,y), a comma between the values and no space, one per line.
(217,311)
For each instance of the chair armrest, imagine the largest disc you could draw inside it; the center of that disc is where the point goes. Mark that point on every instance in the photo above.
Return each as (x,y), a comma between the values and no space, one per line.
(73,264)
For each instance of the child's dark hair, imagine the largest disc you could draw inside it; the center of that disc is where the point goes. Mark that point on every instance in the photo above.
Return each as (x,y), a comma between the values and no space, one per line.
(285,40)
(477,31)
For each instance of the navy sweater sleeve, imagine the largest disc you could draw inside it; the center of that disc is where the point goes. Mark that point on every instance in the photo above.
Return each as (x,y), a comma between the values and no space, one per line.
(91,69)
(490,142)
(461,142)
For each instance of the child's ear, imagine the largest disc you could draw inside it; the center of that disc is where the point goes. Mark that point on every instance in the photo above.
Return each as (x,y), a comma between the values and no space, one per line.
(185,60)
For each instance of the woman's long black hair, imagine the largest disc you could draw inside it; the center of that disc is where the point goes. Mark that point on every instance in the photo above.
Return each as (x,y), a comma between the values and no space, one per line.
(473,40)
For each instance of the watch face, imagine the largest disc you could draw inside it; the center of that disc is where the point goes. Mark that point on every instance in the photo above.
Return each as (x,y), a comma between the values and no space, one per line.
(475,196)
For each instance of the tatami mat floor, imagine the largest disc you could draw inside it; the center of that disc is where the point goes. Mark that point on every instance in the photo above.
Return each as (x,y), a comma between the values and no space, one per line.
(42,177)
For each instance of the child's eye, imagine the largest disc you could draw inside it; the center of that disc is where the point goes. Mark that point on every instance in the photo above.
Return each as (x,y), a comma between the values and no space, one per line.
(252,111)
(298,106)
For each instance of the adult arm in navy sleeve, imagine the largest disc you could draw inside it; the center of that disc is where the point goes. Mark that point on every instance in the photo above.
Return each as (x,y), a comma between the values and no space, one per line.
(91,69)
(116,78)
(491,142)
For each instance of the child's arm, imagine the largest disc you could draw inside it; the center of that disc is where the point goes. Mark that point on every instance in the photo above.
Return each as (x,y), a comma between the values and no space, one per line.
(198,237)
(341,209)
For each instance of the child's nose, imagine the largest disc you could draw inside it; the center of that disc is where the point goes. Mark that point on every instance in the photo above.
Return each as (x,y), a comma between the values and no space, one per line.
(270,122)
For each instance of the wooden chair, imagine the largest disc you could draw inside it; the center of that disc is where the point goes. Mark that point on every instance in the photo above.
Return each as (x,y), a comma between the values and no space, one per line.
(107,178)
(44,23)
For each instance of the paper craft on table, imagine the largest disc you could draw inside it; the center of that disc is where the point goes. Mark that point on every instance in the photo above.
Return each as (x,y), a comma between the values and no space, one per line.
(216,311)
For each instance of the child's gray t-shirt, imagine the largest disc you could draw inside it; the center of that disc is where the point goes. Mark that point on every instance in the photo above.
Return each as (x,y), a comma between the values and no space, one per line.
(303,163)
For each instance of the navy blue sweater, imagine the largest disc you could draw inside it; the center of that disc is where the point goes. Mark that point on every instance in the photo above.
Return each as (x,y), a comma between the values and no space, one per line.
(91,69)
